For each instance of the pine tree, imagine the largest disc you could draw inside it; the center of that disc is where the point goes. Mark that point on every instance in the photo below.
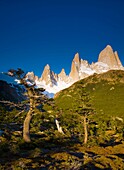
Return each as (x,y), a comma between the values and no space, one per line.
(34,95)
(83,107)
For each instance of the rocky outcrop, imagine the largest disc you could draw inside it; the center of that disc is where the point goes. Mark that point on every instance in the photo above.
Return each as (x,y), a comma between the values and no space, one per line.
(62,76)
(31,76)
(48,76)
(118,60)
(75,67)
(74,74)
(110,58)
(77,61)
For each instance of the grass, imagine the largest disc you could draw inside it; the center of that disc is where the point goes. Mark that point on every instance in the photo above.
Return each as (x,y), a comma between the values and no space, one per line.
(108,98)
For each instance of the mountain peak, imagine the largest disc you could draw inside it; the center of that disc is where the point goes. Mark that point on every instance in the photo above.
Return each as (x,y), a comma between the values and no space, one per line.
(46,74)
(110,58)
(62,71)
(80,69)
(74,74)
(47,67)
(62,75)
(76,58)
(109,47)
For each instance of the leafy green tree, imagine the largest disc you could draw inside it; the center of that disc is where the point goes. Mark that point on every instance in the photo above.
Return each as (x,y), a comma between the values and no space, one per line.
(34,95)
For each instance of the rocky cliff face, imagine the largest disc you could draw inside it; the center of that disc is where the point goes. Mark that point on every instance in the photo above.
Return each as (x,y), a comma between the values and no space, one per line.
(118,60)
(48,76)
(31,76)
(110,58)
(74,74)
(62,76)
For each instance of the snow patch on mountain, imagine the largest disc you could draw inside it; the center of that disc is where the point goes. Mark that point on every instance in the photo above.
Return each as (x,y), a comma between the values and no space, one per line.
(87,70)
(51,90)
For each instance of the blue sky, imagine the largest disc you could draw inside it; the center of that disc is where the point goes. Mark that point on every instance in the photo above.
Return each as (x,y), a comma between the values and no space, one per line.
(34,33)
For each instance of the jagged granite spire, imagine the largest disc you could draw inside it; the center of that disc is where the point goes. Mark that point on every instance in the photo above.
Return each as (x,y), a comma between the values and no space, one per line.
(80,69)
(74,73)
(110,58)
(48,76)
(62,76)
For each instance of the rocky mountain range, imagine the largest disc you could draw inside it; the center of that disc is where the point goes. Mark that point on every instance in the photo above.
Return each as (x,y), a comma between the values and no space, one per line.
(80,69)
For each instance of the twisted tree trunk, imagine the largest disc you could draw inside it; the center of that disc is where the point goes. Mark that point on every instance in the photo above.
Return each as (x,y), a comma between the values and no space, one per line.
(26,127)
(32,93)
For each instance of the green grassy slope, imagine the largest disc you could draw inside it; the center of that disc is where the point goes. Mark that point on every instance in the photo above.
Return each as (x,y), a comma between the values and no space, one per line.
(108,98)
(106,91)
